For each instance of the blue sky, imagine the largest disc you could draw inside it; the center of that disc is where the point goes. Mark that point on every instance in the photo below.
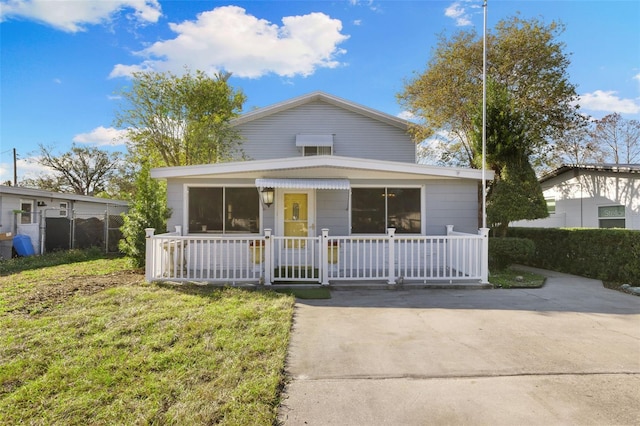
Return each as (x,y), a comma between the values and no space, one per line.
(62,62)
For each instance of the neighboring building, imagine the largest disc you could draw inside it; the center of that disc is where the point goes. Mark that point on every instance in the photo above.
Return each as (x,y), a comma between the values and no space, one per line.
(591,196)
(325,163)
(55,221)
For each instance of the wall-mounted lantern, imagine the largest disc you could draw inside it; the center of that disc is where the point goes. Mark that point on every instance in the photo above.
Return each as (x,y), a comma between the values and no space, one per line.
(267,196)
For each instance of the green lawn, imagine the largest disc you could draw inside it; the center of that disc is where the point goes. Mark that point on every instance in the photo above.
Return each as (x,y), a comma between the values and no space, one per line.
(90,343)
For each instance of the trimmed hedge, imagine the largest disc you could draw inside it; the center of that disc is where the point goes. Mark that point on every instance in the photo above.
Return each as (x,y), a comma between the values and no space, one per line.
(604,254)
(503,252)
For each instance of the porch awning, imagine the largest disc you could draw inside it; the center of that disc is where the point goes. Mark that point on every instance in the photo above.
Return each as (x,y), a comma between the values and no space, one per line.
(304,183)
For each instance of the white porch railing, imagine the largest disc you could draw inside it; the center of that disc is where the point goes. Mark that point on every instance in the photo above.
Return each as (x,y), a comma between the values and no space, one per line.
(323,259)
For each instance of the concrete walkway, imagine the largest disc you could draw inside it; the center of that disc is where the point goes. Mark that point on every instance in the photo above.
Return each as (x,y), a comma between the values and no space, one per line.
(567,353)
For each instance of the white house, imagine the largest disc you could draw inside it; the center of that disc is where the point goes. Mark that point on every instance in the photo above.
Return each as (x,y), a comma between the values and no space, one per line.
(591,196)
(58,221)
(331,192)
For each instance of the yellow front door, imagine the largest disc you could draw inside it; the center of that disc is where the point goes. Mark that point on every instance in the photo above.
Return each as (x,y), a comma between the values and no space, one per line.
(296,217)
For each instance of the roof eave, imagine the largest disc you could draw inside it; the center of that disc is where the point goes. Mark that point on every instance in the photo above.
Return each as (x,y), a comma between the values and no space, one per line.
(317,161)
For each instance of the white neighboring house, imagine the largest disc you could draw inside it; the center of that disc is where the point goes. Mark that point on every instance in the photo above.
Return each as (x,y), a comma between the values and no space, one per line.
(49,218)
(323,172)
(590,196)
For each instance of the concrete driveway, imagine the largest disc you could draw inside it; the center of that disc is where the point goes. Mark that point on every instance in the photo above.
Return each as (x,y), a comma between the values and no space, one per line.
(568,353)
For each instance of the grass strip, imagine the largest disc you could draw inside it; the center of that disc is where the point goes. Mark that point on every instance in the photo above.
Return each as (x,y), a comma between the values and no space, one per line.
(511,278)
(306,293)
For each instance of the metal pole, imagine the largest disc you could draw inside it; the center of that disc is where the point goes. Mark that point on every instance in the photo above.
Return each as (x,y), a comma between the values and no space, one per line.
(15,168)
(484,115)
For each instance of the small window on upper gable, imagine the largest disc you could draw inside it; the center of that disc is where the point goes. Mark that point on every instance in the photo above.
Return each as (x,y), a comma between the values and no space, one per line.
(315,144)
(316,150)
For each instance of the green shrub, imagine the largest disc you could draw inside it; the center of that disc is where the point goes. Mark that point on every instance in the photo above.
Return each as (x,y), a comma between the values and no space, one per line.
(503,252)
(605,254)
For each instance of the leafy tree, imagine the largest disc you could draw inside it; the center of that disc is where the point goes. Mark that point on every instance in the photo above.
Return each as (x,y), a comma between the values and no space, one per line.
(81,170)
(181,120)
(618,139)
(611,139)
(576,147)
(515,193)
(148,210)
(524,56)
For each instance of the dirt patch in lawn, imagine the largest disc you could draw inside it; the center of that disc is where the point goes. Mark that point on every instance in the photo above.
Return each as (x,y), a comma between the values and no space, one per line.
(50,295)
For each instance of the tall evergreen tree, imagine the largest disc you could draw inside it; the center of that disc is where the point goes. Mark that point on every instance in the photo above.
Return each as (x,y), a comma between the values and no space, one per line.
(149,210)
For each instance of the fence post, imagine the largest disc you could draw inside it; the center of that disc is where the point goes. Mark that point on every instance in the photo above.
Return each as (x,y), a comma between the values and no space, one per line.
(268,250)
(449,229)
(106,230)
(149,261)
(391,232)
(179,230)
(324,257)
(484,265)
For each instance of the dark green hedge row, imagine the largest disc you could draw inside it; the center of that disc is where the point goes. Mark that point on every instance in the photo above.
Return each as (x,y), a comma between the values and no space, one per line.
(503,252)
(605,254)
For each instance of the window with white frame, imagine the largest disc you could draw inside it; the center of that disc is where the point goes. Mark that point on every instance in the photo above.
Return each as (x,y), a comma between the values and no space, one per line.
(373,210)
(64,208)
(223,210)
(551,205)
(308,151)
(611,217)
(27,212)
(315,144)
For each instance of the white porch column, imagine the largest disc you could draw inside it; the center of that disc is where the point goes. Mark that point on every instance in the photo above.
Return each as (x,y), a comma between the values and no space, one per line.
(324,257)
(484,265)
(391,233)
(149,261)
(268,251)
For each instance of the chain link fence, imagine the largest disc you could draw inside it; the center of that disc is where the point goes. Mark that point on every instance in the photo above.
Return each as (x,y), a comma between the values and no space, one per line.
(92,230)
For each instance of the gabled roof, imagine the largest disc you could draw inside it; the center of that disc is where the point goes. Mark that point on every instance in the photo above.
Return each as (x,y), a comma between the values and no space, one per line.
(594,167)
(39,193)
(324,97)
(323,166)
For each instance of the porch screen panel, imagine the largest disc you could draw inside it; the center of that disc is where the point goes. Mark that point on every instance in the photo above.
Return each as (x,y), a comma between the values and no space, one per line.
(205,210)
(242,210)
(368,211)
(223,210)
(373,210)
(403,209)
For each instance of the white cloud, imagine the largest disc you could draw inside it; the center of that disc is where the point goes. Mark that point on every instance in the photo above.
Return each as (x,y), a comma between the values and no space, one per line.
(357,22)
(458,13)
(608,101)
(26,168)
(102,136)
(229,39)
(73,16)
(406,115)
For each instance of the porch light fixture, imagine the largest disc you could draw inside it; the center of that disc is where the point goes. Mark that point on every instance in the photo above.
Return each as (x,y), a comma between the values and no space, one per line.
(267,196)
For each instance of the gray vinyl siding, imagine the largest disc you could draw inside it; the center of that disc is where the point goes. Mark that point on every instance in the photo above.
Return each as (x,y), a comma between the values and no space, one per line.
(175,203)
(332,210)
(451,202)
(355,135)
